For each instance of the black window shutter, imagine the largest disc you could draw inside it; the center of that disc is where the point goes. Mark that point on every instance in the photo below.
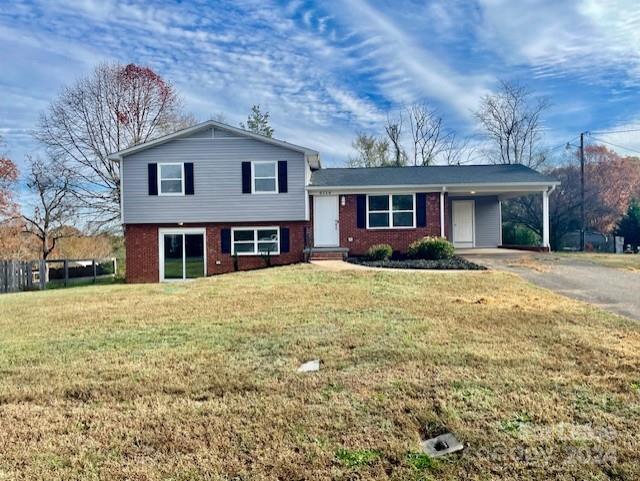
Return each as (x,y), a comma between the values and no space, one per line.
(361,204)
(153,179)
(188,178)
(225,241)
(421,210)
(284,239)
(246,177)
(282,176)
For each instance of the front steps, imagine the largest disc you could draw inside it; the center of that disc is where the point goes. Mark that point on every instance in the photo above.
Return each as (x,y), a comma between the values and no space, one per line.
(326,253)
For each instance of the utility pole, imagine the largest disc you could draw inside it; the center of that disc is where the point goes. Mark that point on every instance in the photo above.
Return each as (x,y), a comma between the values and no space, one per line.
(582,218)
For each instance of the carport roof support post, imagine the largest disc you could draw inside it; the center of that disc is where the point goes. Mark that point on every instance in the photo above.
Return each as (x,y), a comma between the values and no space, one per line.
(545,218)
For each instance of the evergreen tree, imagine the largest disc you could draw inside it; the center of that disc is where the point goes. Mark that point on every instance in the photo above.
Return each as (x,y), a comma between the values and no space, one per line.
(258,122)
(629,225)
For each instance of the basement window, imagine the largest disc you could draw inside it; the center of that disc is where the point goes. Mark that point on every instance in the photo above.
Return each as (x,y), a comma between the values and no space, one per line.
(256,241)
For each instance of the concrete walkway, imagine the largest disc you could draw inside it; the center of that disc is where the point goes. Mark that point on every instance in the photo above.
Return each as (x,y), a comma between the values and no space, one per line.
(613,289)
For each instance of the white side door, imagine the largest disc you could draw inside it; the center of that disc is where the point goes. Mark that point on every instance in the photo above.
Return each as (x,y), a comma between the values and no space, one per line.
(326,221)
(463,222)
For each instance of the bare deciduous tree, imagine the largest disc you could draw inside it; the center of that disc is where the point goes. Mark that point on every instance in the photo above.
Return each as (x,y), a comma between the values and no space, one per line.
(50,184)
(430,141)
(393,129)
(428,136)
(114,108)
(458,152)
(219,117)
(511,119)
(372,151)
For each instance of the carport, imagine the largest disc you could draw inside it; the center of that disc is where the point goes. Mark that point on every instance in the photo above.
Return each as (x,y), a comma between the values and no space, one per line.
(474,213)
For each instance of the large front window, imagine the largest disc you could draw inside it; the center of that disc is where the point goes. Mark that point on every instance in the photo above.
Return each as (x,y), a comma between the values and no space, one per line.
(256,241)
(391,211)
(171,179)
(265,177)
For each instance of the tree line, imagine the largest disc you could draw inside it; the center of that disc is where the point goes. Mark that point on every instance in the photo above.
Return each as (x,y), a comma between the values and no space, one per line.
(510,124)
(119,106)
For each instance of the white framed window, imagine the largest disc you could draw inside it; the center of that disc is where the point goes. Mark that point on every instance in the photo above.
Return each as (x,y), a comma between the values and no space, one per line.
(252,241)
(171,179)
(391,211)
(264,177)
(182,253)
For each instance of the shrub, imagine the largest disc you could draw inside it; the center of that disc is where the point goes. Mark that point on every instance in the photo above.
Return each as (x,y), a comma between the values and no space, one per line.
(519,235)
(431,248)
(379,252)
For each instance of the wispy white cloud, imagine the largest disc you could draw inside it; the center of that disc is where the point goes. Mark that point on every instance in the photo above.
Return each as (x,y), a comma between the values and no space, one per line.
(221,59)
(324,70)
(588,38)
(409,70)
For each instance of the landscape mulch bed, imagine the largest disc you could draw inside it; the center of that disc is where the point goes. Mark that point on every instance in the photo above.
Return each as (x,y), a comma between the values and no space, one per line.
(455,263)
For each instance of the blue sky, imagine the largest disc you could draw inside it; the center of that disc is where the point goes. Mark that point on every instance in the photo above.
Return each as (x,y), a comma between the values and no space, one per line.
(326,70)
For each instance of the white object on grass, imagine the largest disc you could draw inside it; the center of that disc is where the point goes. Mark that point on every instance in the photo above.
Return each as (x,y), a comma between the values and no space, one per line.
(310,366)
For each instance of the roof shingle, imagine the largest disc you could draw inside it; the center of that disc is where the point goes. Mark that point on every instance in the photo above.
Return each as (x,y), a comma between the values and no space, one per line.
(432,175)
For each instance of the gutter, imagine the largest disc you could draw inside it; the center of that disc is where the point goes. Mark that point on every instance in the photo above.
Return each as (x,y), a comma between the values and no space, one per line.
(432,187)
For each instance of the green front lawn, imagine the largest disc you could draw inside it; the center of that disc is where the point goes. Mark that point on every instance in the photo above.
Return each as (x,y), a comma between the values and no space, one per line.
(197,380)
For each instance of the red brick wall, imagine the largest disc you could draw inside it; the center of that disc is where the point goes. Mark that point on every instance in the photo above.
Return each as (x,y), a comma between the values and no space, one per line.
(399,239)
(141,242)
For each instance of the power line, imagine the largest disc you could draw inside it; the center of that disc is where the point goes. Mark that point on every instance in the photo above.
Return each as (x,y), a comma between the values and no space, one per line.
(616,145)
(613,131)
(563,144)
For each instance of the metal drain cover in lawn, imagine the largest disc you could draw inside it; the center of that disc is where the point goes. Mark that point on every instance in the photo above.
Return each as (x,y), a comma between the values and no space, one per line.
(442,445)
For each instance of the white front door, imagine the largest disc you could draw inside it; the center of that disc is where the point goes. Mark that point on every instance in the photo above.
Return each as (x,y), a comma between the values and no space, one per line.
(463,222)
(325,221)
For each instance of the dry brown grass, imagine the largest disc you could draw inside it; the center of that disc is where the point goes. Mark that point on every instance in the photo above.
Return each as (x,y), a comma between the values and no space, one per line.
(197,381)
(629,262)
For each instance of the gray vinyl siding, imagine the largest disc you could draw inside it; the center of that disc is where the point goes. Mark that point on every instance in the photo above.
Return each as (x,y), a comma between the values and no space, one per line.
(487,220)
(212,132)
(223,133)
(217,180)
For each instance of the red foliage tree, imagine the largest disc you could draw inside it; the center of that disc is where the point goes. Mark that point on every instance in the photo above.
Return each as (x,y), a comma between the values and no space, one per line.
(611,182)
(8,179)
(115,107)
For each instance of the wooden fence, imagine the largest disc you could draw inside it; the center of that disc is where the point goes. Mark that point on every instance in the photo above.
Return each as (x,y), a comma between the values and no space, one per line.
(18,275)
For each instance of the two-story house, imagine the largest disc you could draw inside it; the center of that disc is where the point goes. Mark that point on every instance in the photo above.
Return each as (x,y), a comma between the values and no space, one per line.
(213,198)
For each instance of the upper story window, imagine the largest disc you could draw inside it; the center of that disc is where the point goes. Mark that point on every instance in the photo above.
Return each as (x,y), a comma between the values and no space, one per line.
(264,177)
(391,211)
(171,179)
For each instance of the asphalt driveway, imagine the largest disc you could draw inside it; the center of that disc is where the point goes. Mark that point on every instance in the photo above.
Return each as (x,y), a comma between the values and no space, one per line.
(616,290)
